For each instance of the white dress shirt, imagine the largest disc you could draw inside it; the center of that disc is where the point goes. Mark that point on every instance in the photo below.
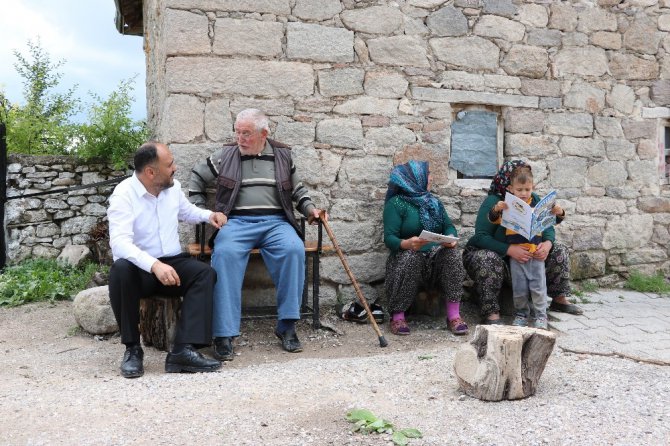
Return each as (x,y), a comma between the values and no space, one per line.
(143,227)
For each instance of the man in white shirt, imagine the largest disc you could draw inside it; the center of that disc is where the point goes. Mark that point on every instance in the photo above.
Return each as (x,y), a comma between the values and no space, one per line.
(143,215)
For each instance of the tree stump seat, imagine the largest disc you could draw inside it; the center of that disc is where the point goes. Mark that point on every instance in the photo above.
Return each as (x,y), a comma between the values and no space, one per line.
(503,362)
(158,320)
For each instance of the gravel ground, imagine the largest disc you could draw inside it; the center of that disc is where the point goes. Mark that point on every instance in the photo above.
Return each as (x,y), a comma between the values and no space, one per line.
(57,387)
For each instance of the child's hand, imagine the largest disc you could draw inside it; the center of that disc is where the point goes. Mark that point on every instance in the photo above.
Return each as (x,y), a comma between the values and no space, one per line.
(556,209)
(499,207)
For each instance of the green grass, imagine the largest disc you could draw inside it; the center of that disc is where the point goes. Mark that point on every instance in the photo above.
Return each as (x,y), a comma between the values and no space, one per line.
(647,283)
(37,280)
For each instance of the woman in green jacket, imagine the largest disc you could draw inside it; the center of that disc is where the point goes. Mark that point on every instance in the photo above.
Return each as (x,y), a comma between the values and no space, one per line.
(486,251)
(414,262)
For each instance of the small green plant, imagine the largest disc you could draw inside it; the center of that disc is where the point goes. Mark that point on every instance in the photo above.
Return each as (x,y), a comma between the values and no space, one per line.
(647,283)
(36,280)
(425,357)
(366,422)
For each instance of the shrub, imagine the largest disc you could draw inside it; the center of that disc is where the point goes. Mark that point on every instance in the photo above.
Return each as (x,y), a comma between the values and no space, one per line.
(40,279)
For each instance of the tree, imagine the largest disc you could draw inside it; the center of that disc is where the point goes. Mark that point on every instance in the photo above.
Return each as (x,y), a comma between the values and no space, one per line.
(43,125)
(111,133)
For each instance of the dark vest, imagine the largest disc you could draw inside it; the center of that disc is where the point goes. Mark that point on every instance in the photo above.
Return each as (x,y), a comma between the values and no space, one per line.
(230,179)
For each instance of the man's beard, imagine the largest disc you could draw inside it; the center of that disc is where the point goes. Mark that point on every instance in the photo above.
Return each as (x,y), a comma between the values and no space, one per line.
(167,184)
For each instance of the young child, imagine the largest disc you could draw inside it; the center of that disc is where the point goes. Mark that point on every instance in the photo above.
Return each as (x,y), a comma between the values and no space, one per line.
(529,277)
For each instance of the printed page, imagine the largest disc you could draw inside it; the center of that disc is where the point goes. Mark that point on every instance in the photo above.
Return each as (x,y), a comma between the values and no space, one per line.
(518,216)
(542,216)
(437,238)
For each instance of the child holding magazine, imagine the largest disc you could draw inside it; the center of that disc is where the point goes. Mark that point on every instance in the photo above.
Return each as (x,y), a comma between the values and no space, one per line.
(527,277)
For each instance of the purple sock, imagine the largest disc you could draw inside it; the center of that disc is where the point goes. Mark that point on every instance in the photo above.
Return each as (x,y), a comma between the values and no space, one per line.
(453,311)
(398,316)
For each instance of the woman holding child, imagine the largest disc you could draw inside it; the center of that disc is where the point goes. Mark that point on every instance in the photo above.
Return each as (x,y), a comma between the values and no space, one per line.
(485,253)
(414,262)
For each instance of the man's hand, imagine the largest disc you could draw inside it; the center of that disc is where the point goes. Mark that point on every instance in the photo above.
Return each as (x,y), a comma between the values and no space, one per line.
(218,219)
(317,214)
(165,274)
(519,253)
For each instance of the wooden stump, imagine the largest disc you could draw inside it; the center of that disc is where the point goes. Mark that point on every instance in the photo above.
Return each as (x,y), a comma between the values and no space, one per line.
(503,362)
(158,321)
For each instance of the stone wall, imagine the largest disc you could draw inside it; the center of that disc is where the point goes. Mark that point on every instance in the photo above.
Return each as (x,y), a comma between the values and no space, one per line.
(356,86)
(41,226)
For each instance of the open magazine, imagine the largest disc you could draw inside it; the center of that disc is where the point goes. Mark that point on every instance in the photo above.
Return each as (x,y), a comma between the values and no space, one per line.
(437,238)
(527,221)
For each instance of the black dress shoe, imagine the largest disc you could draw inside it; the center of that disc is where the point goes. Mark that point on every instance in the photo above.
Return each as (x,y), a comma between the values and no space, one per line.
(223,349)
(190,360)
(131,366)
(289,340)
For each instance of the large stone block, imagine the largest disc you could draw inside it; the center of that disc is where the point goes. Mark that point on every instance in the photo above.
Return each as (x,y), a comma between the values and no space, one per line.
(596,19)
(519,120)
(545,37)
(247,37)
(183,119)
(447,22)
(319,43)
(531,146)
(607,173)
(660,92)
(373,20)
(642,36)
(587,61)
(622,98)
(385,84)
(600,205)
(619,233)
(533,15)
(584,265)
(399,51)
(218,120)
(644,172)
(295,133)
(279,7)
(620,149)
(341,132)
(497,27)
(366,267)
(563,16)
(570,124)
(505,8)
(394,136)
(370,169)
(246,77)
(583,96)
(643,256)
(606,40)
(654,204)
(540,87)
(586,147)
(567,172)
(318,167)
(186,32)
(527,61)
(473,53)
(639,129)
(341,81)
(473,97)
(631,67)
(321,10)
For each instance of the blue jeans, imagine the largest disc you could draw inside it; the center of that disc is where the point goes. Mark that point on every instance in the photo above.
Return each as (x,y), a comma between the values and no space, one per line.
(283,253)
(529,279)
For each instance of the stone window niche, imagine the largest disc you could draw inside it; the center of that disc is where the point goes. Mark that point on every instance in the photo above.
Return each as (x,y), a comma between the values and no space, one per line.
(664,152)
(476,144)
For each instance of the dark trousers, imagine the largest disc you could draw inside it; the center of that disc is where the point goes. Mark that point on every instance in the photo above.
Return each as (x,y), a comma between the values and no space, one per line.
(128,284)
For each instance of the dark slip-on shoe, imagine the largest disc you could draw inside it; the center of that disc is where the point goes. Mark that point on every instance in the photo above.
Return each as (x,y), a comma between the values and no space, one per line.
(190,360)
(289,341)
(565,308)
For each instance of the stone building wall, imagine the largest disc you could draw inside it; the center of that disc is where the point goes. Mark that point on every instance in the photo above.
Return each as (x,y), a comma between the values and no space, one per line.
(42,225)
(356,86)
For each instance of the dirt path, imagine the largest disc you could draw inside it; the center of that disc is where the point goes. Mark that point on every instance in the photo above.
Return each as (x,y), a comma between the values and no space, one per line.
(61,388)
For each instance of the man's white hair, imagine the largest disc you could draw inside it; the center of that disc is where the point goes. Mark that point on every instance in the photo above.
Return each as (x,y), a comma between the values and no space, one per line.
(256,116)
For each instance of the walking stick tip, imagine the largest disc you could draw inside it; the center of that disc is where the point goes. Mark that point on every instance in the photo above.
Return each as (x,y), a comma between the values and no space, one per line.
(382,341)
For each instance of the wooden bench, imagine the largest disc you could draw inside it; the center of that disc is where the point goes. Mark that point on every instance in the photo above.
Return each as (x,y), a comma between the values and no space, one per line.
(158,315)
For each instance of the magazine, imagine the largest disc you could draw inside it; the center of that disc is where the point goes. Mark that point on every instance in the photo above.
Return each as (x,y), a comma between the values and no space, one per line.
(437,238)
(527,221)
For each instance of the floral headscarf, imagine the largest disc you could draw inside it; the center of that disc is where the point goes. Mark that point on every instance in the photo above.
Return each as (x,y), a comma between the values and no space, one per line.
(502,178)
(410,181)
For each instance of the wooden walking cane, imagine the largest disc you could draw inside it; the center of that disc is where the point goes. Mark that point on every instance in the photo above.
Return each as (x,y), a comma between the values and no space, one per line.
(359,293)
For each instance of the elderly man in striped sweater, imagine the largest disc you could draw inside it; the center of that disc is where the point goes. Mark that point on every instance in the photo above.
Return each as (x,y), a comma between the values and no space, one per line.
(257,185)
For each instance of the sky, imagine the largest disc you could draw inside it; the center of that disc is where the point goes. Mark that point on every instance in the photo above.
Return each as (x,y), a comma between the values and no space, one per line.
(82,33)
